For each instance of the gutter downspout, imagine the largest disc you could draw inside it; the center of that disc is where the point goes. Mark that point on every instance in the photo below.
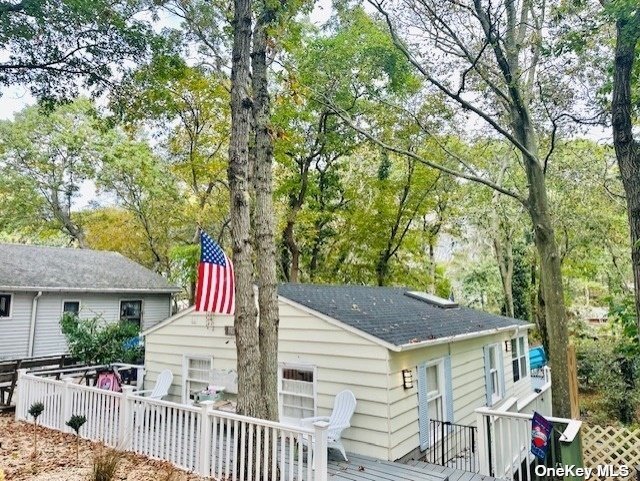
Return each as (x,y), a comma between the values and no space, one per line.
(32,325)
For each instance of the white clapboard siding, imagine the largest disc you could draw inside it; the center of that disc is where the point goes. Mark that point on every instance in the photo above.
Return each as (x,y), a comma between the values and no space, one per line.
(343,360)
(468,386)
(48,334)
(385,424)
(14,331)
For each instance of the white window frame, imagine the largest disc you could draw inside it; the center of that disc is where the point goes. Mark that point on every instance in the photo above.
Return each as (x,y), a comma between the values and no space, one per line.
(435,437)
(185,375)
(498,371)
(11,297)
(520,357)
(302,367)
(64,301)
(439,364)
(132,299)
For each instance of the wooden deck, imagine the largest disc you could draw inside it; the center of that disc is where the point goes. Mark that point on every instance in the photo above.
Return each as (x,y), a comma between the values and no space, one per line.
(364,468)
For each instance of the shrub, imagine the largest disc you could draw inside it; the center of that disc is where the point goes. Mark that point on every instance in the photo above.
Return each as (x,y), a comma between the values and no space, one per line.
(95,341)
(35,410)
(75,423)
(105,465)
(611,376)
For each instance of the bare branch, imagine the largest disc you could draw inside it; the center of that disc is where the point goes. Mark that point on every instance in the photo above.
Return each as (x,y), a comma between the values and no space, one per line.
(435,165)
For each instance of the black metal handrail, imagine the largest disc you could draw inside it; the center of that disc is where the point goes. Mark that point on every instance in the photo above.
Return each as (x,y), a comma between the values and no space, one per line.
(453,445)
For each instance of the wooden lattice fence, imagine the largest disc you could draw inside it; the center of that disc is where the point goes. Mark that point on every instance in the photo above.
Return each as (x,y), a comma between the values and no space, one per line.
(611,445)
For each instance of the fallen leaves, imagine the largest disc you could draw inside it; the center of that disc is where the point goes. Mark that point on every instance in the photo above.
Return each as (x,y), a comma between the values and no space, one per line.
(56,459)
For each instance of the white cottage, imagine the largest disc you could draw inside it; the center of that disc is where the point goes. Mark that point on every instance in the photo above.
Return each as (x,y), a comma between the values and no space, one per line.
(38,284)
(408,357)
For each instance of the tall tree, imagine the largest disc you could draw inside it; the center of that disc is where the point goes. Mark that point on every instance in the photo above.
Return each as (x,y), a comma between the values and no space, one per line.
(50,155)
(264,222)
(627,15)
(497,51)
(250,400)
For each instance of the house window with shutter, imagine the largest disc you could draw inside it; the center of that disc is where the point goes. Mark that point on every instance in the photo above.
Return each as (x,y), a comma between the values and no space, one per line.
(519,358)
(435,400)
(435,393)
(297,391)
(494,373)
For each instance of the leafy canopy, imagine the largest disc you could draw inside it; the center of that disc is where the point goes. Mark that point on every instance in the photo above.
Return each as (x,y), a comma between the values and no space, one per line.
(94,341)
(56,47)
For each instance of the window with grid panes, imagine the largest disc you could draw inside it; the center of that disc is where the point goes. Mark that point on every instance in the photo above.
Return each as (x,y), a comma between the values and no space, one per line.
(198,372)
(297,391)
(518,358)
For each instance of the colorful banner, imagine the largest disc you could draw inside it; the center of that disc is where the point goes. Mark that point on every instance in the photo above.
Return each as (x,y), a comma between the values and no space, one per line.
(540,435)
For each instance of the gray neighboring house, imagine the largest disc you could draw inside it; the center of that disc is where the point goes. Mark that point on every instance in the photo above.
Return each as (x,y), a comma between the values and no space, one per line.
(38,284)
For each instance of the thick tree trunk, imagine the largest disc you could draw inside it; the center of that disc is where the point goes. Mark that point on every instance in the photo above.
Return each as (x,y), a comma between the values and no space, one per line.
(264,226)
(627,148)
(64,217)
(552,287)
(250,401)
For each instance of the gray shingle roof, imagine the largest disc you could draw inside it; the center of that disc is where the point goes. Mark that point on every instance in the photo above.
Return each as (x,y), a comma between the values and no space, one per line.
(388,314)
(65,269)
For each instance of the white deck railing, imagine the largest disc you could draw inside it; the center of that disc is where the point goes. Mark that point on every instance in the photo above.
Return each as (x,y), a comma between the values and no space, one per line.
(199,439)
(504,441)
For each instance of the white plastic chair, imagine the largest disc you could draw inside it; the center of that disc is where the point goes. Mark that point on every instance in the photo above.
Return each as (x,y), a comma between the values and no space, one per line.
(344,406)
(161,389)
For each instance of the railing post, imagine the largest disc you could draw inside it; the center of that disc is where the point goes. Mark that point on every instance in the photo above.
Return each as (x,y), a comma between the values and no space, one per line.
(67,404)
(20,395)
(571,447)
(126,415)
(320,451)
(140,373)
(484,466)
(204,448)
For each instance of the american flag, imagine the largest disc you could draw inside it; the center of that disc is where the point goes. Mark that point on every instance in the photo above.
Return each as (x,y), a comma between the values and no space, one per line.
(215,291)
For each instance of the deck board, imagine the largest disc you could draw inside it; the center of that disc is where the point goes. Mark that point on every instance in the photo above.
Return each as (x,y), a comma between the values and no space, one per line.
(379,470)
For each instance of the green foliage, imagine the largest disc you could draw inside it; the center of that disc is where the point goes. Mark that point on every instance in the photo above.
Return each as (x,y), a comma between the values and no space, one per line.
(56,47)
(44,159)
(624,326)
(611,378)
(75,422)
(35,410)
(94,341)
(521,284)
(480,286)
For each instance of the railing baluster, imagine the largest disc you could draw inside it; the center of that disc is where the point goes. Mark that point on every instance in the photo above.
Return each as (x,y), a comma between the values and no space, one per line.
(171,432)
(232,443)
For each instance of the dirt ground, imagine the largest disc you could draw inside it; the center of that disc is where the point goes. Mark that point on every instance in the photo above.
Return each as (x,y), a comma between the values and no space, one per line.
(56,460)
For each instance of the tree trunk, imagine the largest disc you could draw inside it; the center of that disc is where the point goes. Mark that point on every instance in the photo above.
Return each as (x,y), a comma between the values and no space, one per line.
(552,288)
(504,256)
(293,267)
(431,287)
(61,215)
(250,401)
(264,225)
(627,148)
